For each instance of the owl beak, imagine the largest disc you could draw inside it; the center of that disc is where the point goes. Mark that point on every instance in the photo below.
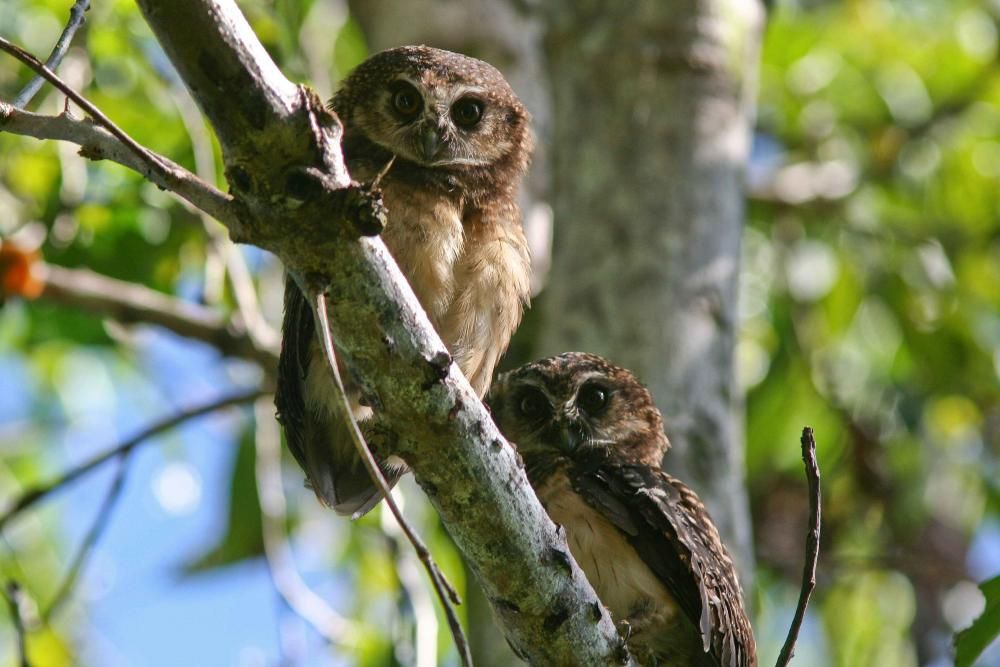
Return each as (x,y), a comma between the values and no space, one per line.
(570,437)
(431,142)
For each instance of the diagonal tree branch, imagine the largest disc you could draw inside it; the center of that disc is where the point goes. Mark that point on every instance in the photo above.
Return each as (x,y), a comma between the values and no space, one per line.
(442,587)
(284,165)
(101,521)
(130,302)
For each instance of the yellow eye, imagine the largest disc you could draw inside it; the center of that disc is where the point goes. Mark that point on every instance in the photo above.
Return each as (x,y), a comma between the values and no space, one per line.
(406,100)
(467,112)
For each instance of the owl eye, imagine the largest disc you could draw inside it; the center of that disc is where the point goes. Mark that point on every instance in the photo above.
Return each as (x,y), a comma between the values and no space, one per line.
(593,399)
(467,112)
(533,404)
(406,100)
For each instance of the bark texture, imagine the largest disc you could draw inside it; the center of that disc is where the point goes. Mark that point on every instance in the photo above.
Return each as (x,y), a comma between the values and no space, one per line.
(510,39)
(652,109)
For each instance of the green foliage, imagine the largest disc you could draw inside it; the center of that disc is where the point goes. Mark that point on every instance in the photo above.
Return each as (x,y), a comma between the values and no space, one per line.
(972,641)
(243,537)
(870,306)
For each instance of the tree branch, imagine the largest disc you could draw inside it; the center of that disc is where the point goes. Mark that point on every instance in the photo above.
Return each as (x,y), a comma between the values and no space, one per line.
(442,587)
(294,197)
(283,162)
(130,302)
(76,19)
(812,546)
(97,143)
(169,172)
(36,493)
(90,540)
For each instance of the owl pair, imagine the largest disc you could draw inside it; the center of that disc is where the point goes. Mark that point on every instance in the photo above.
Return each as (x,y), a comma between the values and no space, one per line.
(458,142)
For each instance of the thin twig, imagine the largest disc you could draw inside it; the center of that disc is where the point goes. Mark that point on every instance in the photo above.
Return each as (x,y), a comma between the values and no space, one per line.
(96,143)
(76,19)
(16,606)
(101,521)
(445,592)
(39,67)
(301,599)
(34,494)
(168,171)
(812,545)
(385,170)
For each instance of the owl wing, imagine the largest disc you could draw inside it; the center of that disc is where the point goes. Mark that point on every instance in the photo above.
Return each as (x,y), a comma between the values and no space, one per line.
(673,534)
(297,333)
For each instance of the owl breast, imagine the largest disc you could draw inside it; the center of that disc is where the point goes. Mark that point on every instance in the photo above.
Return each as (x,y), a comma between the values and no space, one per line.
(624,583)
(426,237)
(659,632)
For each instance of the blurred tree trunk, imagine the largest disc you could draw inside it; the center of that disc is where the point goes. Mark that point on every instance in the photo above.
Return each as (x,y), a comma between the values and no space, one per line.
(643,113)
(652,113)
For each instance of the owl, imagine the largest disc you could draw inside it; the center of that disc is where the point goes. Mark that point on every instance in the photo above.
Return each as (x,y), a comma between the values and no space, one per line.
(456,141)
(592,441)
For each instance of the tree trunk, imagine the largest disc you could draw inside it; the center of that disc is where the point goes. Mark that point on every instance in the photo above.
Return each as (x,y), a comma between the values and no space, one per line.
(652,110)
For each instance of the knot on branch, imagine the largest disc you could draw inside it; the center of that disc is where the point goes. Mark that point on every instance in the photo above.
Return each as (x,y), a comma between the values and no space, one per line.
(362,205)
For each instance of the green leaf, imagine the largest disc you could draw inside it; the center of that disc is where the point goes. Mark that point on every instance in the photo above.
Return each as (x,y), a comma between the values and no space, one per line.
(972,641)
(244,537)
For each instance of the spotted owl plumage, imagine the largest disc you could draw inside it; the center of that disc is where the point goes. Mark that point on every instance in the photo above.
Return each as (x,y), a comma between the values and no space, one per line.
(459,140)
(592,441)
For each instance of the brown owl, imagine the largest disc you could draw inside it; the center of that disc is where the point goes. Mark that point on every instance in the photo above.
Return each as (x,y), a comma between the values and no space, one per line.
(592,440)
(459,141)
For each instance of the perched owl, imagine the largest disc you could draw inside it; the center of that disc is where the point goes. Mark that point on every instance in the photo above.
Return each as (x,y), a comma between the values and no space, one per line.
(592,440)
(460,142)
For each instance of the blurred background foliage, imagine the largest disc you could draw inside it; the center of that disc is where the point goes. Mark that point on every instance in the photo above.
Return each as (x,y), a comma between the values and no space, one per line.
(870,309)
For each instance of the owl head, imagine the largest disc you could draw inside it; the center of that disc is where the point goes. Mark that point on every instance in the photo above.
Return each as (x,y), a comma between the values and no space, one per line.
(573,402)
(434,108)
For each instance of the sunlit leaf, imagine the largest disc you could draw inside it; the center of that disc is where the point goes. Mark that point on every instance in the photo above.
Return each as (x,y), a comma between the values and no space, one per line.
(971,642)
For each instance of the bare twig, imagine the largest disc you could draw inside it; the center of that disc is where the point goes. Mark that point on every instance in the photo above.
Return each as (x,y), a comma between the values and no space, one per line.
(301,599)
(33,495)
(445,592)
(131,302)
(171,173)
(235,265)
(98,143)
(76,19)
(39,67)
(16,604)
(101,521)
(812,546)
(385,170)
